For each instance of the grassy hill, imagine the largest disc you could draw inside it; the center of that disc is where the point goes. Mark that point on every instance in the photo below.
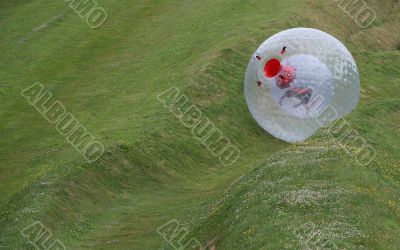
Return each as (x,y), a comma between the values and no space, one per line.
(154,170)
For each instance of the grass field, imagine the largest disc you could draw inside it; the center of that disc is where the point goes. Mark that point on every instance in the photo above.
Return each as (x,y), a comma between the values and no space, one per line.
(154,170)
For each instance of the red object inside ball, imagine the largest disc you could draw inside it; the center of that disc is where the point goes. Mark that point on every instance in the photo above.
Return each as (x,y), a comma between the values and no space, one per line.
(272,67)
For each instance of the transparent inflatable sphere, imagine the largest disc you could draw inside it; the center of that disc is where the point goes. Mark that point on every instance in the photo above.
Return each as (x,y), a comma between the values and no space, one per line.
(300,80)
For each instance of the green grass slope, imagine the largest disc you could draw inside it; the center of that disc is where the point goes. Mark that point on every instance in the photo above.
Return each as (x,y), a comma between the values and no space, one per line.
(313,195)
(154,170)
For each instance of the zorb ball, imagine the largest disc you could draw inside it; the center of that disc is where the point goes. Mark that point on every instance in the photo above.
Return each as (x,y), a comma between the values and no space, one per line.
(300,80)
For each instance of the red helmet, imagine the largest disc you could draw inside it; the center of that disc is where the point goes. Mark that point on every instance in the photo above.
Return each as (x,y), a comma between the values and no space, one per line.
(283,74)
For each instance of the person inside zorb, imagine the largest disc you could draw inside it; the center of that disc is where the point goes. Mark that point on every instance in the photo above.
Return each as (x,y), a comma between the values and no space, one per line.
(285,75)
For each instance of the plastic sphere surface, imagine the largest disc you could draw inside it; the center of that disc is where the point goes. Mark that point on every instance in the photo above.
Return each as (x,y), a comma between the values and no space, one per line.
(300,80)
